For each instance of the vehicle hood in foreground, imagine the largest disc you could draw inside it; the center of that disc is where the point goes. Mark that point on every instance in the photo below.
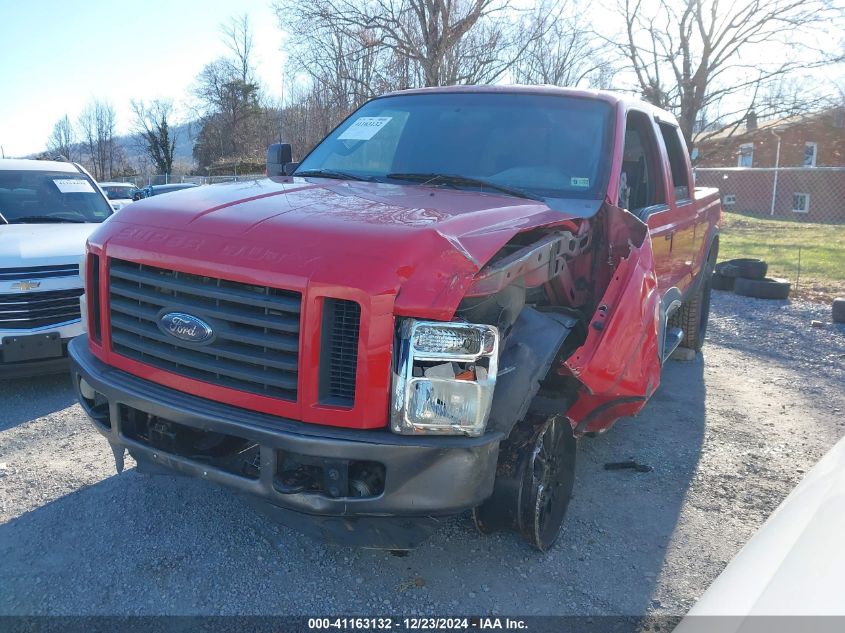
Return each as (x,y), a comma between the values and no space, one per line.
(794,565)
(420,244)
(25,245)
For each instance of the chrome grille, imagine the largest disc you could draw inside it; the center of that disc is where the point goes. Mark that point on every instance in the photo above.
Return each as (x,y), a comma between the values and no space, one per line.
(256,343)
(39,272)
(26,310)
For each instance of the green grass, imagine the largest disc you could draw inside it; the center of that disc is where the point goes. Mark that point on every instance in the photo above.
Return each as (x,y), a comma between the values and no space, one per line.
(813,255)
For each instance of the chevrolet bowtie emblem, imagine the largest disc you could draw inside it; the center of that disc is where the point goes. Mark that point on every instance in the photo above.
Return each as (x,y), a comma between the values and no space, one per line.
(25,285)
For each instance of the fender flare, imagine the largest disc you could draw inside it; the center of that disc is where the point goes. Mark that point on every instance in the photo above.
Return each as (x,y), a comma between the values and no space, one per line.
(526,360)
(670,302)
(712,241)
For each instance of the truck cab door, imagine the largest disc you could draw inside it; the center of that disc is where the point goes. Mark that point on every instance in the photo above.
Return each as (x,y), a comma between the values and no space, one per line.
(691,229)
(644,192)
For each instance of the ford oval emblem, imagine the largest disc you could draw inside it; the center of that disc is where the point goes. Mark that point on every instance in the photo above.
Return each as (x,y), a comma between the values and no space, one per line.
(185,327)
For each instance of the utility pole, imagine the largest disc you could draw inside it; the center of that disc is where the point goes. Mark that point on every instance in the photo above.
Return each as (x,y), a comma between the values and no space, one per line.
(777,170)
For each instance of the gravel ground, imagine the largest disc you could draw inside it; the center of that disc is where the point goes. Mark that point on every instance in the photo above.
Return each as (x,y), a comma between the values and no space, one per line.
(729,434)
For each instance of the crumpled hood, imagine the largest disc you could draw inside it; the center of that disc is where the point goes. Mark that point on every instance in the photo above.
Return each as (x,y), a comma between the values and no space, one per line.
(420,245)
(25,245)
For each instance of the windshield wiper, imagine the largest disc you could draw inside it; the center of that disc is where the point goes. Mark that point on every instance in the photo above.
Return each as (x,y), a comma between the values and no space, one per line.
(457,180)
(44,219)
(330,173)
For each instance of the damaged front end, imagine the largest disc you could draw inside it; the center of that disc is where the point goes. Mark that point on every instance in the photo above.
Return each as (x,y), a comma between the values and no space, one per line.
(579,313)
(578,309)
(486,374)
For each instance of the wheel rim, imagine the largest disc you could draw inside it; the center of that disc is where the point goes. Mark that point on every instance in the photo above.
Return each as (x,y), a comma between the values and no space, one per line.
(550,475)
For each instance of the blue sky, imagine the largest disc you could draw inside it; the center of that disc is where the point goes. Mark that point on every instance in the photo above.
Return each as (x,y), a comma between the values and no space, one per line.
(57,56)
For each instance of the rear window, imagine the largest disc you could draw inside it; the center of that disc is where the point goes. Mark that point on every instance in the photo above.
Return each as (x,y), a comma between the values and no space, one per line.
(50,197)
(118,192)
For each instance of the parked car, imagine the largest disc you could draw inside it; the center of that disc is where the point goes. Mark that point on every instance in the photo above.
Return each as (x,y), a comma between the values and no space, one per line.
(119,193)
(452,287)
(47,211)
(793,566)
(156,190)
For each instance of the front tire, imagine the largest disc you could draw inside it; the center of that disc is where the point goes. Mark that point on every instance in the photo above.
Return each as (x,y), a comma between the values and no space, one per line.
(547,483)
(534,480)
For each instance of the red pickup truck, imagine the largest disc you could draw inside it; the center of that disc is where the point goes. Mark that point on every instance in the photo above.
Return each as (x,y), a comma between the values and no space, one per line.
(421,319)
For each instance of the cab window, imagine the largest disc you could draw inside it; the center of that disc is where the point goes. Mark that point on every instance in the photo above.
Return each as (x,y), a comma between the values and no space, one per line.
(641,181)
(677,160)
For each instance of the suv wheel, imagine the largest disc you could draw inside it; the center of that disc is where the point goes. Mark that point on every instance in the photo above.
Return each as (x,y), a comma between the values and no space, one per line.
(534,482)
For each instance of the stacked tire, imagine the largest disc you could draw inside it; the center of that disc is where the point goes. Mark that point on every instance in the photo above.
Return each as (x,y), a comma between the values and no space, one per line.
(838,310)
(747,277)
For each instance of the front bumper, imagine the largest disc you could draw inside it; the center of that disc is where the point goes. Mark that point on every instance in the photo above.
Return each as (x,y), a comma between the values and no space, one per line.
(54,365)
(426,478)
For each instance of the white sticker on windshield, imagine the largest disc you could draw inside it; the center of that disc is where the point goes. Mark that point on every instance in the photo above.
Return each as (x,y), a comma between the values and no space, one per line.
(73,185)
(579,182)
(364,128)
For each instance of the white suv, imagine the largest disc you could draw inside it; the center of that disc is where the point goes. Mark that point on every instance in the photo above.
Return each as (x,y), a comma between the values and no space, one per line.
(119,193)
(47,211)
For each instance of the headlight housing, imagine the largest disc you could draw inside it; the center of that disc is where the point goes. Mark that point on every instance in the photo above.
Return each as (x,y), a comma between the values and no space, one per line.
(83,300)
(444,376)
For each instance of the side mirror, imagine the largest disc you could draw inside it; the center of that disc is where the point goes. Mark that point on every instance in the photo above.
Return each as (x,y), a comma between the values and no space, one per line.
(278,155)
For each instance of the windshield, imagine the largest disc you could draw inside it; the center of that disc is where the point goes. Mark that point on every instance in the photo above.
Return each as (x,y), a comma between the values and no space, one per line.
(50,196)
(118,192)
(535,145)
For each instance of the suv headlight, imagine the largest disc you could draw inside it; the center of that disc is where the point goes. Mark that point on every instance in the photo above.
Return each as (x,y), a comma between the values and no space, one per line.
(444,376)
(83,301)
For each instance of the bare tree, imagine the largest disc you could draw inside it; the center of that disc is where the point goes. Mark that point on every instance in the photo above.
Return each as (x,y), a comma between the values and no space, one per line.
(97,124)
(567,51)
(697,56)
(413,42)
(237,36)
(88,132)
(62,140)
(155,132)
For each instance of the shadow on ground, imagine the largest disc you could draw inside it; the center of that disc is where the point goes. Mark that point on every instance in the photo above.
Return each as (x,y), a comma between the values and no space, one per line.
(138,544)
(24,399)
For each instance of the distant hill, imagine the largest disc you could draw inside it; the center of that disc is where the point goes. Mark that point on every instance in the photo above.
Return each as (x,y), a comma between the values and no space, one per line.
(133,153)
(185,135)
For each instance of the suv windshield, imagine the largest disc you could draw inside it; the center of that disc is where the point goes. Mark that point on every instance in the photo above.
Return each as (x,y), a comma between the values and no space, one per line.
(118,192)
(528,145)
(50,196)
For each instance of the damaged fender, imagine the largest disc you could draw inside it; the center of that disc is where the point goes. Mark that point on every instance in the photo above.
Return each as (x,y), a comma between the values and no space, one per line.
(618,365)
(526,359)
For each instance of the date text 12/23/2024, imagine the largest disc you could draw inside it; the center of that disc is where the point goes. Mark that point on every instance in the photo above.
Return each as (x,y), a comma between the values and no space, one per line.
(417,624)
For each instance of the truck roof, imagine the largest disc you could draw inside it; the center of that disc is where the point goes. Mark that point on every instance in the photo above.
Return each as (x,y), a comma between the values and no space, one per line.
(22,164)
(608,96)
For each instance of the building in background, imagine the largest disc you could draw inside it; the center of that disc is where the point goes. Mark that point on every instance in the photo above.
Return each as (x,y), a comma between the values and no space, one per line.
(793,167)
(816,140)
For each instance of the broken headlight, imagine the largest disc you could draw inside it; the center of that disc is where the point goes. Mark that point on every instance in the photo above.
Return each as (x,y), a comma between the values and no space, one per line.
(444,377)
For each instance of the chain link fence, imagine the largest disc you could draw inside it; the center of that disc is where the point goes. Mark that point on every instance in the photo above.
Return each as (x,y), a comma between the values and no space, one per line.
(166,179)
(791,217)
(805,194)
